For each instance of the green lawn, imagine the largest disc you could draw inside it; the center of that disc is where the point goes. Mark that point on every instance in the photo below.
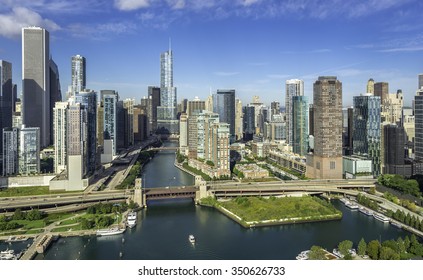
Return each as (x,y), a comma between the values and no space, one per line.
(67,228)
(261,209)
(27,191)
(31,224)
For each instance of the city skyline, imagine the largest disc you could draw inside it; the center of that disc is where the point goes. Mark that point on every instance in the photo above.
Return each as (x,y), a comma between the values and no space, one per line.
(250,46)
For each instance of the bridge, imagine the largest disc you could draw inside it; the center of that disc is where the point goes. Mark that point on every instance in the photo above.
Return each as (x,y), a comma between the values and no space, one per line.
(230,190)
(162,148)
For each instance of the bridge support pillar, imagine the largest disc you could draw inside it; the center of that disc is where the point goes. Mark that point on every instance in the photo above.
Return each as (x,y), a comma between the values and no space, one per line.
(139,196)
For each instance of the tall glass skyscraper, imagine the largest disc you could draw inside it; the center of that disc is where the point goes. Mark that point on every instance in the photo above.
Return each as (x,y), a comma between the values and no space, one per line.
(418,140)
(78,73)
(300,125)
(6,100)
(367,130)
(224,105)
(294,87)
(167,111)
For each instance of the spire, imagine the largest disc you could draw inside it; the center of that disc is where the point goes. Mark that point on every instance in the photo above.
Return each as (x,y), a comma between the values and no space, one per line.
(170,44)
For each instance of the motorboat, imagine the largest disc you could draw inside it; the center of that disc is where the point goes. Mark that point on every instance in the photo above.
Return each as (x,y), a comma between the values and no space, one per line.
(191,238)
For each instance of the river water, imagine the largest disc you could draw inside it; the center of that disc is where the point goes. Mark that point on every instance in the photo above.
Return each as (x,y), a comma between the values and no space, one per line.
(163,228)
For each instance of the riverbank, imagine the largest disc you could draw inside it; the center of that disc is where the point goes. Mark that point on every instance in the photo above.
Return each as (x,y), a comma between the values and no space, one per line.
(252,212)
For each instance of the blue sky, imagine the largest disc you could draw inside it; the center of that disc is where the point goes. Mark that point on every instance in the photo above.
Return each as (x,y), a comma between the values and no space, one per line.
(252,46)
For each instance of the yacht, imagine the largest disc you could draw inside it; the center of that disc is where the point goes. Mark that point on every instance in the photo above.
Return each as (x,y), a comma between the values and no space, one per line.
(110,231)
(7,255)
(381,217)
(132,219)
(365,211)
(303,255)
(351,205)
(191,238)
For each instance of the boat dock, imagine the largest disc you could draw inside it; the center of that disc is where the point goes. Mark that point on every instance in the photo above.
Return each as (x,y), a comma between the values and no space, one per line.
(39,246)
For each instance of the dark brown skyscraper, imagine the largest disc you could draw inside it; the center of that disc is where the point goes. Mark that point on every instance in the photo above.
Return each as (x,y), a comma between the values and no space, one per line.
(326,162)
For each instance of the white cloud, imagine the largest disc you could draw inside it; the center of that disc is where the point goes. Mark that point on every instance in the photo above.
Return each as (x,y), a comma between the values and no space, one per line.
(12,23)
(176,4)
(130,5)
(102,31)
(249,2)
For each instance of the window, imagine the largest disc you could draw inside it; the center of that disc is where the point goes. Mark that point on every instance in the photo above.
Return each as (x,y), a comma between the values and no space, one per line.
(332,165)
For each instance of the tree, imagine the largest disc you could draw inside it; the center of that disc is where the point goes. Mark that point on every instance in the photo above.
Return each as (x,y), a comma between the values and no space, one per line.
(373,249)
(344,247)
(387,253)
(18,215)
(362,247)
(87,224)
(34,215)
(407,243)
(2,218)
(401,245)
(316,253)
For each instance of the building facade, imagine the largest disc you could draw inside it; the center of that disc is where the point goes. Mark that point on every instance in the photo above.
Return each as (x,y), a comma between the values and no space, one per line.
(36,81)
(29,150)
(367,133)
(293,87)
(78,71)
(167,120)
(224,106)
(10,143)
(60,122)
(109,100)
(418,140)
(6,100)
(326,161)
(299,125)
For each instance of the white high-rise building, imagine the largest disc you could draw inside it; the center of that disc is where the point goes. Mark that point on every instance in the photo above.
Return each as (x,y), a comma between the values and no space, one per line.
(29,150)
(294,87)
(36,107)
(60,122)
(78,74)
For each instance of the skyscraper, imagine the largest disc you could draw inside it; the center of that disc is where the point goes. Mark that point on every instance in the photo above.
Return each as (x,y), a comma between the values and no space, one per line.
(224,105)
(238,119)
(55,93)
(6,100)
(381,90)
(249,122)
(88,101)
(420,81)
(29,150)
(326,162)
(294,87)
(300,125)
(367,134)
(394,159)
(110,99)
(78,65)
(10,151)
(167,120)
(60,122)
(36,81)
(418,140)
(370,86)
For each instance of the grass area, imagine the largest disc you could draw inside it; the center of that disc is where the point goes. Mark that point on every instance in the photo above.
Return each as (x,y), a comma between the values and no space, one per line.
(31,224)
(51,218)
(67,228)
(293,209)
(27,191)
(35,231)
(196,171)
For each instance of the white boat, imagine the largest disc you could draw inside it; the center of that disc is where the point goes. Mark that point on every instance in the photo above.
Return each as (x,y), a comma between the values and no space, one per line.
(191,238)
(132,219)
(381,217)
(344,200)
(365,211)
(303,255)
(110,231)
(7,255)
(351,205)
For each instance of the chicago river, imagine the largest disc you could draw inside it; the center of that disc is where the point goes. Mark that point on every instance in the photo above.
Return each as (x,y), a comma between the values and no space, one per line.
(163,228)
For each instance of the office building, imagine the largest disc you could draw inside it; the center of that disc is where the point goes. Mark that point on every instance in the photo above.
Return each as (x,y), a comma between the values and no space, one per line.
(418,140)
(154,97)
(167,122)
(382,90)
(420,84)
(326,161)
(238,119)
(36,111)
(367,134)
(55,93)
(140,123)
(60,122)
(78,71)
(293,87)
(299,120)
(29,150)
(392,108)
(88,100)
(249,124)
(224,106)
(129,104)
(370,86)
(10,138)
(6,100)
(394,147)
(109,100)
(183,134)
(195,106)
